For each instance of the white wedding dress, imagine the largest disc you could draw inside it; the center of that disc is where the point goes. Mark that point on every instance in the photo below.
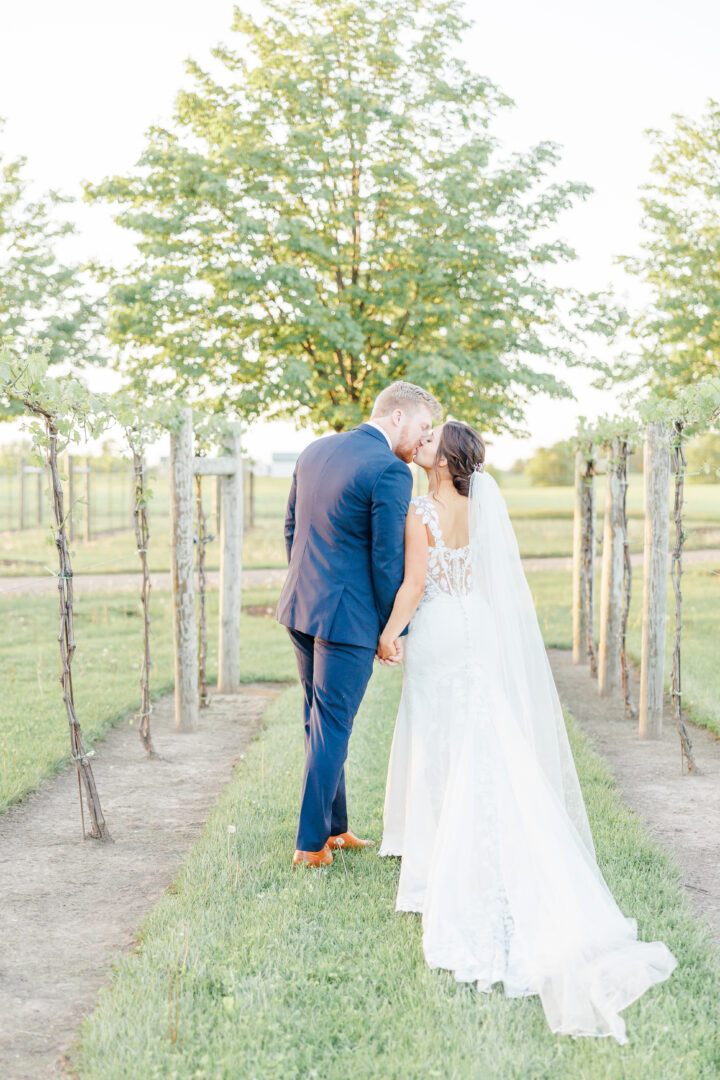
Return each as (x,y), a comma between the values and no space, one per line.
(483,801)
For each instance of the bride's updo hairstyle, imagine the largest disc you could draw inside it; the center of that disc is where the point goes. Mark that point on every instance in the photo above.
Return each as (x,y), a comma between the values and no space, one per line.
(463,450)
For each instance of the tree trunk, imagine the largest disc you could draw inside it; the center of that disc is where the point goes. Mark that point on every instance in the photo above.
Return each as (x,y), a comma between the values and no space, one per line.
(655,569)
(181,549)
(609,664)
(676,569)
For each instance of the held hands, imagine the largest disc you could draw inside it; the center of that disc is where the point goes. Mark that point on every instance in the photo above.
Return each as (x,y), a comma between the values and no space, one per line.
(390,651)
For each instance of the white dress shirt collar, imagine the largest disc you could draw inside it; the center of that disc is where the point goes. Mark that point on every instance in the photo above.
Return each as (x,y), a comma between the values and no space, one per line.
(373,424)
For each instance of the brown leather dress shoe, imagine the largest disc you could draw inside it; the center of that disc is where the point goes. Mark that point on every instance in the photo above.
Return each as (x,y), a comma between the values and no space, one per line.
(348,840)
(313,858)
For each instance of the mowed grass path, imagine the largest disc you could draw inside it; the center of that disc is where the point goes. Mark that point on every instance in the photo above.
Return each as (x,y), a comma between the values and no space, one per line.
(248,969)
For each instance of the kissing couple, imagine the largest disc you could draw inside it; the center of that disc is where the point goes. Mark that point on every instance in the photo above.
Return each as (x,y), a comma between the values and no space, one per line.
(483,803)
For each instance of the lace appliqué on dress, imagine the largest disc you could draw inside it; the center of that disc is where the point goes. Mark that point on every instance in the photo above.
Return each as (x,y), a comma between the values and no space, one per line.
(448,569)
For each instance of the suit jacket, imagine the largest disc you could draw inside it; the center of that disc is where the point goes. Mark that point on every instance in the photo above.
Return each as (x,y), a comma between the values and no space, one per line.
(344,534)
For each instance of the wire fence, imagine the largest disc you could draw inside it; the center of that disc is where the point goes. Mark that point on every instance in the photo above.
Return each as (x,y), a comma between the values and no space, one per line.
(99,496)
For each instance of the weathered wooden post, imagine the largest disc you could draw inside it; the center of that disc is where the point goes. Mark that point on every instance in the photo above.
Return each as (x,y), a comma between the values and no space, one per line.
(250,497)
(679,463)
(229,468)
(655,569)
(584,559)
(40,477)
(181,553)
(71,498)
(21,501)
(231,541)
(578,592)
(88,494)
(609,669)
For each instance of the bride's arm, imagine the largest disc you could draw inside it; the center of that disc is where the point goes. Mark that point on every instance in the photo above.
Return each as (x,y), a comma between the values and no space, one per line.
(409,593)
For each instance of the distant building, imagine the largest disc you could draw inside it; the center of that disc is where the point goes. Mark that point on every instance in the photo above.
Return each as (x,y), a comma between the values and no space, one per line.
(281,464)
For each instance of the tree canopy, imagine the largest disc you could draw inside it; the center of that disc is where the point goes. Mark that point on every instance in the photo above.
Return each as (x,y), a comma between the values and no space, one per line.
(44,302)
(551,466)
(328,213)
(678,333)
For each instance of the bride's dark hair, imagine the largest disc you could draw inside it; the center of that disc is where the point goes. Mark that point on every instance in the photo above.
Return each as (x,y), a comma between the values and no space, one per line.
(464,451)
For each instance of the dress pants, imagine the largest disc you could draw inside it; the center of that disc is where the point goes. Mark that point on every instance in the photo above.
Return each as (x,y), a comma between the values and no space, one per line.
(334,678)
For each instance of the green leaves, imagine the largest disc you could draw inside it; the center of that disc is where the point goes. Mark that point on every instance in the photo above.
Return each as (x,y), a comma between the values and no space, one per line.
(44,302)
(678,337)
(330,216)
(697,404)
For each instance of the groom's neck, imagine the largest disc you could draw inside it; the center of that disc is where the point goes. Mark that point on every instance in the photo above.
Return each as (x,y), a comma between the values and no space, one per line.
(385,424)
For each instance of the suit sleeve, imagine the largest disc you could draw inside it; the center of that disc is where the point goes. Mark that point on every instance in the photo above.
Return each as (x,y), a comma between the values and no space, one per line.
(389,507)
(290,517)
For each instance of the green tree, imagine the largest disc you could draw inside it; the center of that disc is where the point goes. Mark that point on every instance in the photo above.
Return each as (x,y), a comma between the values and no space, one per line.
(44,301)
(329,214)
(551,466)
(703,458)
(678,335)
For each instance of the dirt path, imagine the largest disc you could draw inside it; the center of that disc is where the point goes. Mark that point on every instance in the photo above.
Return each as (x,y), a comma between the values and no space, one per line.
(681,811)
(68,905)
(94,583)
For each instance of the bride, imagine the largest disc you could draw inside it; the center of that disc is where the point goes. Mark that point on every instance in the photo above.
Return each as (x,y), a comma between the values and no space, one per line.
(483,801)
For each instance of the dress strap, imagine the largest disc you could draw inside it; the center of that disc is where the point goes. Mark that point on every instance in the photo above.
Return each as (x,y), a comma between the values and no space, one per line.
(426,510)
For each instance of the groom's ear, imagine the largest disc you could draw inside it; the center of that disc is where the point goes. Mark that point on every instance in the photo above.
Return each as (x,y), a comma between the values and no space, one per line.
(397,417)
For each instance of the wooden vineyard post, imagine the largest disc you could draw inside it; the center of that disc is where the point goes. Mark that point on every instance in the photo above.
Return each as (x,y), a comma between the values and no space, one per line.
(71,497)
(21,494)
(584,560)
(88,495)
(203,537)
(676,569)
(627,577)
(181,550)
(655,568)
(231,542)
(578,591)
(229,467)
(142,540)
(39,492)
(611,602)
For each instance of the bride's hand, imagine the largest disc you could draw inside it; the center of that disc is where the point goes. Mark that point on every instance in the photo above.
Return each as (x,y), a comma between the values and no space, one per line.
(389,650)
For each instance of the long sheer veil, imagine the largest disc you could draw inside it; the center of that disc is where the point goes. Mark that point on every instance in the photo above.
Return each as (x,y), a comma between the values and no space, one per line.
(500,592)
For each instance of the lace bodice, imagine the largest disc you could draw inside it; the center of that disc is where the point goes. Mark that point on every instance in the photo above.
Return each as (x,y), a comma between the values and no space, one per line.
(448,571)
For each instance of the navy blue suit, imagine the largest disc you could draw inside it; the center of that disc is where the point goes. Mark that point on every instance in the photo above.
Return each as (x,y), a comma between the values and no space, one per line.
(344,533)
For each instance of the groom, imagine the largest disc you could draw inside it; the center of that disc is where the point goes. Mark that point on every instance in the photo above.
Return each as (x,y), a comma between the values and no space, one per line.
(344,533)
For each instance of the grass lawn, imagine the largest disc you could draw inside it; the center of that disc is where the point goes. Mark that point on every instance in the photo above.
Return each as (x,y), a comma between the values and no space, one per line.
(248,969)
(34,736)
(701,624)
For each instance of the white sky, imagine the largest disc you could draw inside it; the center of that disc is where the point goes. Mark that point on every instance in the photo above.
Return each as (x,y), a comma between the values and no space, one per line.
(80,83)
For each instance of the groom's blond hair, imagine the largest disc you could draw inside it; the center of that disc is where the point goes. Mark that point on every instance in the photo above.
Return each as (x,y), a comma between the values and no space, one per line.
(406,396)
